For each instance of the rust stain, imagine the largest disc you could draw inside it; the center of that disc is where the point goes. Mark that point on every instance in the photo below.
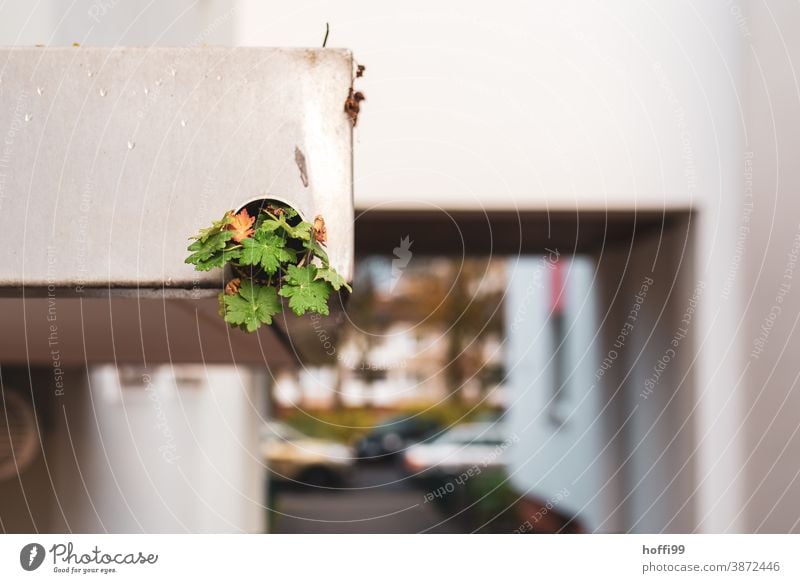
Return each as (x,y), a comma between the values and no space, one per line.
(311,57)
(352,105)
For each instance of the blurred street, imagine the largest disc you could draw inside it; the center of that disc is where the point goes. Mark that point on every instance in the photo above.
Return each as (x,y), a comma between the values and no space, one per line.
(379,499)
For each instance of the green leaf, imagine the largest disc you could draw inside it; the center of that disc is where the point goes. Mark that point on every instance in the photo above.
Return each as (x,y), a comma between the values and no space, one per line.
(273,247)
(288,211)
(207,252)
(209,245)
(215,227)
(314,246)
(305,292)
(300,231)
(252,306)
(208,264)
(267,250)
(332,277)
(270,225)
(231,254)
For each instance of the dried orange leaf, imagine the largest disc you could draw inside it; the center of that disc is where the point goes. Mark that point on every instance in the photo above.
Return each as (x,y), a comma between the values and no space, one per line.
(320,232)
(241,225)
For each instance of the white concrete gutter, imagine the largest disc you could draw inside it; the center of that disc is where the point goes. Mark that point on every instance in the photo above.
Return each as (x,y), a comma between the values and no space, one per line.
(111,157)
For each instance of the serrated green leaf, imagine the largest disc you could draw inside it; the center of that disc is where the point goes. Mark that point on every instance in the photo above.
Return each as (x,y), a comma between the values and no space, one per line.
(208,264)
(231,254)
(305,292)
(210,244)
(300,231)
(332,277)
(267,250)
(273,210)
(300,275)
(252,306)
(207,253)
(270,225)
(215,227)
(316,248)
(268,245)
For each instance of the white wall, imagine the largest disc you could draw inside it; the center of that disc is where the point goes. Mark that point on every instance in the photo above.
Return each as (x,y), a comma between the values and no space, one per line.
(573,458)
(649,300)
(171,451)
(164,453)
(535,104)
(768,271)
(117,22)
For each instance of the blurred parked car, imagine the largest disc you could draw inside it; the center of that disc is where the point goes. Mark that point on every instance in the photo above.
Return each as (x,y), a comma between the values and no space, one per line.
(463,447)
(294,457)
(393,436)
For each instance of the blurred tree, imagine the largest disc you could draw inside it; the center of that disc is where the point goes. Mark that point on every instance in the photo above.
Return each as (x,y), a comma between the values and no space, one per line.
(462,301)
(457,303)
(365,322)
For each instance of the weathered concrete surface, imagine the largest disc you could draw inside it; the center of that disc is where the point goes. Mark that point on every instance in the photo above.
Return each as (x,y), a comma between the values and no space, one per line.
(111,157)
(74,332)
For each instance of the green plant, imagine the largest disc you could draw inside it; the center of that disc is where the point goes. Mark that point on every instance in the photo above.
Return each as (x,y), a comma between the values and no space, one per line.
(273,255)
